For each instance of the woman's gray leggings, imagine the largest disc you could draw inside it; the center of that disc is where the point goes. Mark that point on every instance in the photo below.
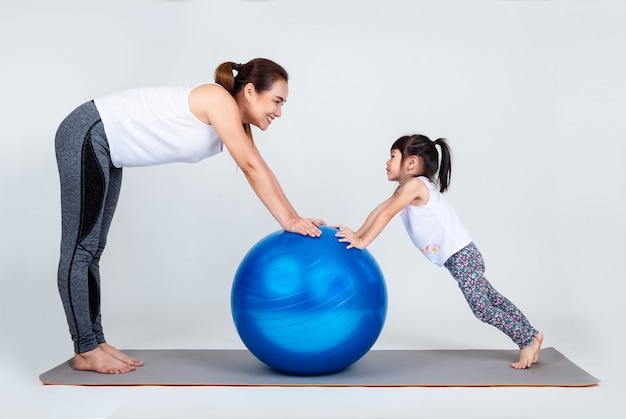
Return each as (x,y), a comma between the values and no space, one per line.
(90,187)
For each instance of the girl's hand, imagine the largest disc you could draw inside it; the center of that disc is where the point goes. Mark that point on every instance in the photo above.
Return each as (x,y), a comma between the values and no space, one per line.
(348,236)
(305,226)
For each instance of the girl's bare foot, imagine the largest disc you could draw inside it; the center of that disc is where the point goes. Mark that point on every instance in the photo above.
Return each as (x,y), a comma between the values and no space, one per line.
(99,360)
(530,354)
(120,355)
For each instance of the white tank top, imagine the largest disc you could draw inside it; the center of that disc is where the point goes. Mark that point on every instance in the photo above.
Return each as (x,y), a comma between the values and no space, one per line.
(435,228)
(154,125)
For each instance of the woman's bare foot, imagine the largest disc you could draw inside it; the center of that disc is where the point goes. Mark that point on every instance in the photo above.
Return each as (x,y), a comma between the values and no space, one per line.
(105,359)
(120,355)
(529,355)
(99,360)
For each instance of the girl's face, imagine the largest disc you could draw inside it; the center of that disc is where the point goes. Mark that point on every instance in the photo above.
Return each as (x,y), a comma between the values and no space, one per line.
(394,166)
(260,109)
(398,170)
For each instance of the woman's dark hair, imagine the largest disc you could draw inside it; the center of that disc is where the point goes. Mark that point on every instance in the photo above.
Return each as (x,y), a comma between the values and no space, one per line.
(438,171)
(261,72)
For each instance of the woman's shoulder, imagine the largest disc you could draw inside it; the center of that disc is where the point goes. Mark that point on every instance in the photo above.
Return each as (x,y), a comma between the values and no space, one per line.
(209,90)
(206,97)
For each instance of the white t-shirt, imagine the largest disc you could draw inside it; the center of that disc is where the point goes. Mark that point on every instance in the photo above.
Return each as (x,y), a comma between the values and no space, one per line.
(154,125)
(435,227)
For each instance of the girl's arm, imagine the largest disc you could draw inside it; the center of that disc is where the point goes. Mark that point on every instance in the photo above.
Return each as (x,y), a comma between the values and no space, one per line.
(223,114)
(372,216)
(411,191)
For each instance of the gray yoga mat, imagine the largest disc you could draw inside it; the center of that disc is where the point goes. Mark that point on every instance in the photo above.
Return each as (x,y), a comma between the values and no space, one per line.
(378,368)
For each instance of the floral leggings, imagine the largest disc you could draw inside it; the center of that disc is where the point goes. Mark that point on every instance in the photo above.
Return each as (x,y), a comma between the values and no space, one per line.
(467,267)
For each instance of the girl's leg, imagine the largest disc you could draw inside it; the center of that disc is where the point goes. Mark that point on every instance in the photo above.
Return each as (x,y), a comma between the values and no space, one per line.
(488,305)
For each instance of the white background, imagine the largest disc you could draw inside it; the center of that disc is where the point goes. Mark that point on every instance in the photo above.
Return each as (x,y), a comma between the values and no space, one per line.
(531,95)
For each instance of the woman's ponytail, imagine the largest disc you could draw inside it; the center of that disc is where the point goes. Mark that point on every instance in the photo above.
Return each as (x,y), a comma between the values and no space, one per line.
(224,75)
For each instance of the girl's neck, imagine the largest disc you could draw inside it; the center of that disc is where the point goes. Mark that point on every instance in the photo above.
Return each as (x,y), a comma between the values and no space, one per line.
(406,178)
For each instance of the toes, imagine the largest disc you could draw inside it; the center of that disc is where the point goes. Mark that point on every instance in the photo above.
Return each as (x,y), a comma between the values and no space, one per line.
(521,364)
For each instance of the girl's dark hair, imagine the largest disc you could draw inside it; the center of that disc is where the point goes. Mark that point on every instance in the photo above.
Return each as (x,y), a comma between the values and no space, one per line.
(438,171)
(261,72)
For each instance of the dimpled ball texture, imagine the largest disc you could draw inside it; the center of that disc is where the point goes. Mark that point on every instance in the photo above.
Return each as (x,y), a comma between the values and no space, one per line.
(308,306)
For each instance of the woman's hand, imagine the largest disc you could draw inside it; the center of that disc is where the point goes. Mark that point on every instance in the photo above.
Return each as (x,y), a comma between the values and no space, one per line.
(214,105)
(348,236)
(305,226)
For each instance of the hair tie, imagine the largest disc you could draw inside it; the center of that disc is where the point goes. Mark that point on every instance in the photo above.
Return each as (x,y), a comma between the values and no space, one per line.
(238,67)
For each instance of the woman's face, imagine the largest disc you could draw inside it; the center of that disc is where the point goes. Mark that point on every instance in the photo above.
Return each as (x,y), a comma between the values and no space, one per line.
(261,108)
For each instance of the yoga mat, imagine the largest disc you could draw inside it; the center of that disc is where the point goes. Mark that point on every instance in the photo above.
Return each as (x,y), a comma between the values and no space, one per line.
(378,368)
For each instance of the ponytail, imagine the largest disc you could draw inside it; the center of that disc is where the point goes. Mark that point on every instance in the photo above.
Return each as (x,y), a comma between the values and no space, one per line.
(445,165)
(224,75)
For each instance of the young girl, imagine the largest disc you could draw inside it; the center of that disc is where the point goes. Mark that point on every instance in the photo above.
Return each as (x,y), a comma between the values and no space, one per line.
(148,126)
(435,229)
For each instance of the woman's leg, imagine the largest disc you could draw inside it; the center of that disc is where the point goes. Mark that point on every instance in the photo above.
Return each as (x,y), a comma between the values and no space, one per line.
(108,210)
(89,190)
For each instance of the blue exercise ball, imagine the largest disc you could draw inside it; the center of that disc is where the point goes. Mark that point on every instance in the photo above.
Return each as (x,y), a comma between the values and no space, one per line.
(308,306)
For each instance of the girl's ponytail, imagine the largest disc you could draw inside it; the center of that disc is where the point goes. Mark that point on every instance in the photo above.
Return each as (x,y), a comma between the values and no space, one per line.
(445,166)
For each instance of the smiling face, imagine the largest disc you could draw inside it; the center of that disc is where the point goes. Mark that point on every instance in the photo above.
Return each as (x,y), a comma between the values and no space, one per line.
(260,109)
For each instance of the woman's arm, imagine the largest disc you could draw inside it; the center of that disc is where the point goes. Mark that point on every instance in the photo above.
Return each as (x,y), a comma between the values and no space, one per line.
(223,114)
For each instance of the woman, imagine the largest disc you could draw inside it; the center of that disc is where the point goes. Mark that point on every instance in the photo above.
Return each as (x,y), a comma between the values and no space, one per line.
(148,126)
